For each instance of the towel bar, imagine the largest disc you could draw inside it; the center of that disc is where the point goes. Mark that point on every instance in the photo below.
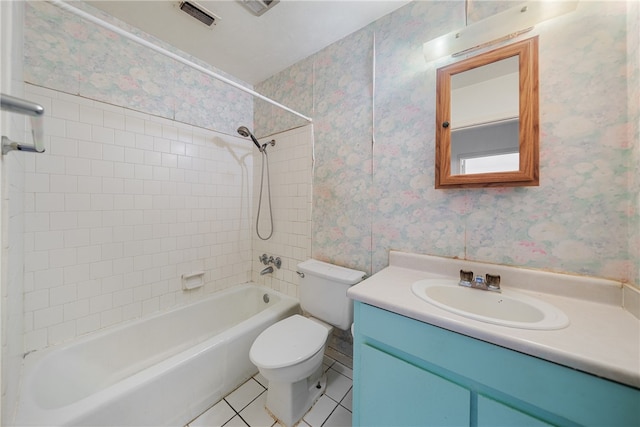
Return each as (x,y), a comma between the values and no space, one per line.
(36,112)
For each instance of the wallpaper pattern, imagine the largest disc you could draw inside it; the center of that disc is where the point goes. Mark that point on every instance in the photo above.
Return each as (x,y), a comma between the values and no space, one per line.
(373,176)
(370,198)
(67,53)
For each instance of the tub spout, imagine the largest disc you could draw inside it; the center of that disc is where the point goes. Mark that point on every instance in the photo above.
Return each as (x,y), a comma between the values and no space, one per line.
(266,270)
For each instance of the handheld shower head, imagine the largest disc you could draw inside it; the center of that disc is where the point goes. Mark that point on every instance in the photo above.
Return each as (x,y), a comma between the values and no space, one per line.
(244,131)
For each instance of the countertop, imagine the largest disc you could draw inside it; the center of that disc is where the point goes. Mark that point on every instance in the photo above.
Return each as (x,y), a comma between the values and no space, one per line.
(602,338)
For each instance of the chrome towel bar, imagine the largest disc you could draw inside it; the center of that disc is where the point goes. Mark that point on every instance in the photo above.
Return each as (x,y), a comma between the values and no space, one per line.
(28,108)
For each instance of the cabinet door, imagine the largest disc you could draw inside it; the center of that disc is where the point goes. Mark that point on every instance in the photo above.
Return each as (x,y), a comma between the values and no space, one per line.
(394,392)
(495,414)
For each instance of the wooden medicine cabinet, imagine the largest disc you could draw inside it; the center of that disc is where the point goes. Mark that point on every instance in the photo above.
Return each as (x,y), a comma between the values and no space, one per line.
(487,119)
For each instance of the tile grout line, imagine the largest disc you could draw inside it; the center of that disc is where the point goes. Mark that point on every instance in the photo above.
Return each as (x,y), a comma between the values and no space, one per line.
(341,400)
(233,409)
(244,421)
(252,400)
(340,404)
(248,404)
(329,416)
(245,406)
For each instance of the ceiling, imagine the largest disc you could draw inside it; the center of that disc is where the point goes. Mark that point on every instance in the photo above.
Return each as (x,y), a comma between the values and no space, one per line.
(248,47)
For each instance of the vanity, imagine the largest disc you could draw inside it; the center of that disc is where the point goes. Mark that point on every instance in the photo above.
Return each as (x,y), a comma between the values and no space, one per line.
(421,364)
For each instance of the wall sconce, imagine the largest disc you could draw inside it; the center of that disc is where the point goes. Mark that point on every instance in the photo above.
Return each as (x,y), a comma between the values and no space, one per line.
(502,26)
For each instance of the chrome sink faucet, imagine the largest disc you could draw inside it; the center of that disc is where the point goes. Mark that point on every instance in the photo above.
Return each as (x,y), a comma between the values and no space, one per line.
(491,282)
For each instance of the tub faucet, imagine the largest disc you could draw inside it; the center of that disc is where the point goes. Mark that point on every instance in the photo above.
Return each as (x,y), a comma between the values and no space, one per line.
(266,270)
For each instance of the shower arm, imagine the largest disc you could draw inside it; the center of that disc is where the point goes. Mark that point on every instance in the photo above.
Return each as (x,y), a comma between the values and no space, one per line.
(271,143)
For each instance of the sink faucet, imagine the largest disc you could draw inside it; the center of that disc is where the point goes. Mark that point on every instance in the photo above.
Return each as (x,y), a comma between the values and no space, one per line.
(491,282)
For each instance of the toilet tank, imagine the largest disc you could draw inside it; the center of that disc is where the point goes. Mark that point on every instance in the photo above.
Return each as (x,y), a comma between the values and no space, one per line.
(323,291)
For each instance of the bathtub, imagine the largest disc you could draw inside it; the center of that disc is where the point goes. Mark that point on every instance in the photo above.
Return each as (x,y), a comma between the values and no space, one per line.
(163,370)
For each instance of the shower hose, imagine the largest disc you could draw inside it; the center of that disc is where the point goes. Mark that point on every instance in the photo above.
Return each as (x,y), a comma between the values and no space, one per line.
(265,159)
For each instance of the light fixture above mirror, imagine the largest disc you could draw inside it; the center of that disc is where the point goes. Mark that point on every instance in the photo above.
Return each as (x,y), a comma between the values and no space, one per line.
(502,26)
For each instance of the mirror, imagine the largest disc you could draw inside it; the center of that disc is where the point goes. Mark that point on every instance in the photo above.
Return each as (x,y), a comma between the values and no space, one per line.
(487,119)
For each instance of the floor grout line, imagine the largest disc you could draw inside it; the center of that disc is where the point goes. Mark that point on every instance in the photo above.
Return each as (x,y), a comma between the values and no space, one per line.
(245,421)
(233,409)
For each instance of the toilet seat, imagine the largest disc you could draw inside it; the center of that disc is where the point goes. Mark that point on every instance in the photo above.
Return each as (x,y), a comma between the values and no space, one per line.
(288,342)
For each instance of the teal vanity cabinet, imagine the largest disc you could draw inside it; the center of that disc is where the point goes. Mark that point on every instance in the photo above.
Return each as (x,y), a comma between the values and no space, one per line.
(411,373)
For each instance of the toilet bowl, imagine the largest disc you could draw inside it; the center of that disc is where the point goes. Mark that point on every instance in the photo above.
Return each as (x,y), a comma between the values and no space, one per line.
(289,353)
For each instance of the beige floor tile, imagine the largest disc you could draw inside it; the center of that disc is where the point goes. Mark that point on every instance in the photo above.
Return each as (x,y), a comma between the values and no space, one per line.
(244,394)
(236,422)
(337,385)
(215,416)
(320,411)
(339,418)
(256,415)
(347,402)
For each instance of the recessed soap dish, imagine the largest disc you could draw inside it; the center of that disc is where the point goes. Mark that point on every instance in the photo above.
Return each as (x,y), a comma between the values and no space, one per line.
(192,280)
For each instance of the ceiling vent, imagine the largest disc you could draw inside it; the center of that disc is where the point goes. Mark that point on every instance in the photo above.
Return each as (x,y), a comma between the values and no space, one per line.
(199,12)
(258,7)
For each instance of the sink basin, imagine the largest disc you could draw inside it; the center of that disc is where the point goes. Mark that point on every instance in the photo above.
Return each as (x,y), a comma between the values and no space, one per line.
(508,308)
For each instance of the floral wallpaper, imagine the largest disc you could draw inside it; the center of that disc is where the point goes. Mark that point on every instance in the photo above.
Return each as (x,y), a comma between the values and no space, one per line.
(297,79)
(372,197)
(343,155)
(372,98)
(69,54)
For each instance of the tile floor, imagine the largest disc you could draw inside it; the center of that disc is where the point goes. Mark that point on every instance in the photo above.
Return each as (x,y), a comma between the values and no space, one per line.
(245,405)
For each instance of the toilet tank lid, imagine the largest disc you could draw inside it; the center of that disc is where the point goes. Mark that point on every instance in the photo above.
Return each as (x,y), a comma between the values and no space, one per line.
(332,272)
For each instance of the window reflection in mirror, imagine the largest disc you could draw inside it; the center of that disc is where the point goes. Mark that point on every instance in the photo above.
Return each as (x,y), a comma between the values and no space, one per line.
(487,119)
(484,117)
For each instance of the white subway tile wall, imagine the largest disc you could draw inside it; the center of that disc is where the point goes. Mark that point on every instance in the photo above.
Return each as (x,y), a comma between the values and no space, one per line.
(119,207)
(12,180)
(13,222)
(291,171)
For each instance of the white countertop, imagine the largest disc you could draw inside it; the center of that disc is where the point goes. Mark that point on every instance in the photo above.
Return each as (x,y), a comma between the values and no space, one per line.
(602,339)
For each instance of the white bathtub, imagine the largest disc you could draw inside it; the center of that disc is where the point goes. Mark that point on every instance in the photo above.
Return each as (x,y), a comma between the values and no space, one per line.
(160,371)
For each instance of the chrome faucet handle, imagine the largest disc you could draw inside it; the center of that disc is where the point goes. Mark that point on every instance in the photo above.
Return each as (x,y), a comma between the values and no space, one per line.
(493,282)
(264,259)
(466,276)
(275,261)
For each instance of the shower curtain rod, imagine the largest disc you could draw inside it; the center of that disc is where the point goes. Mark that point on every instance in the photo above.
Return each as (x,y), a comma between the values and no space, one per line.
(143,42)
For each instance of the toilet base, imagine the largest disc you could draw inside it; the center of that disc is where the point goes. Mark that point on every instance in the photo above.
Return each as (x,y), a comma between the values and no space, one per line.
(289,402)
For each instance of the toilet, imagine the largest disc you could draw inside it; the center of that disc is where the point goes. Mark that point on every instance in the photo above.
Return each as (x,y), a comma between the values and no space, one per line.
(289,353)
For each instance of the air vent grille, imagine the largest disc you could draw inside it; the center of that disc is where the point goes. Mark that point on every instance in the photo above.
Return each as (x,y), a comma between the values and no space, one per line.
(198,12)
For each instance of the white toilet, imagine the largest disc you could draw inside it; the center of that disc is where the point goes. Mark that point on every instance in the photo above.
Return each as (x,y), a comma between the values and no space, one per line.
(289,353)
